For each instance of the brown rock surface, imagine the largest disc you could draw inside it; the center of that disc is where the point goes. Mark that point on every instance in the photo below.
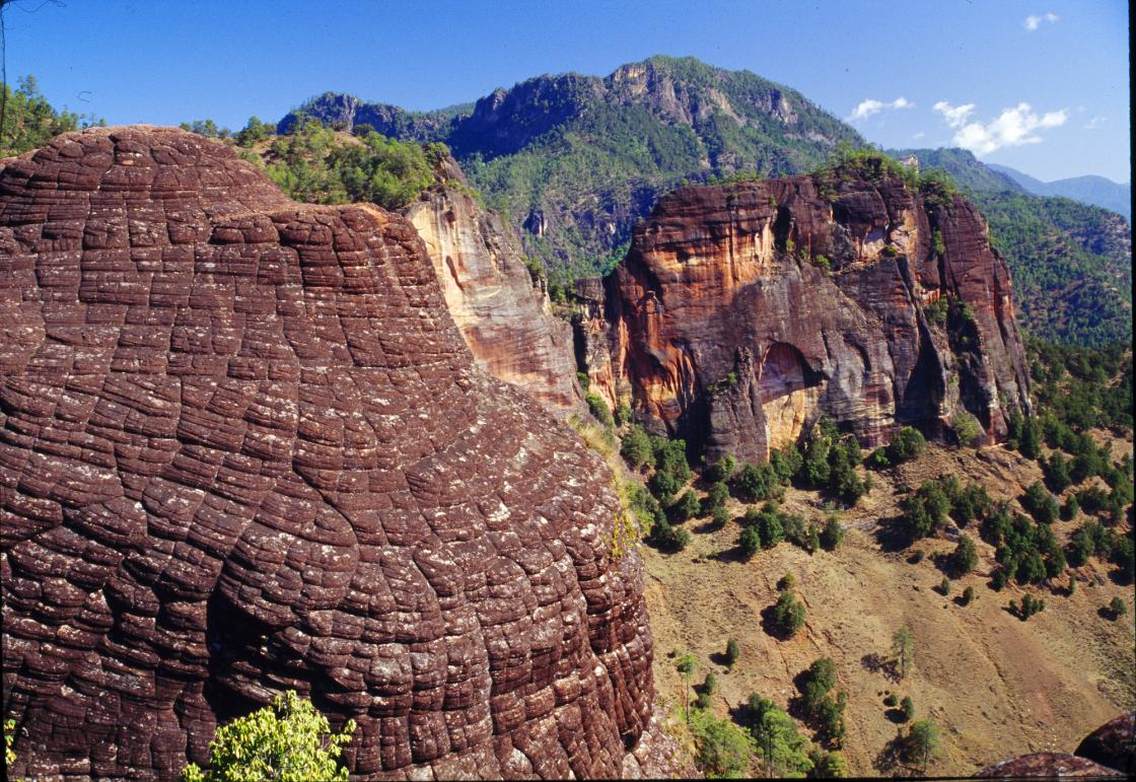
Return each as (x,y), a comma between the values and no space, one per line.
(1113,744)
(1047,765)
(501,313)
(244,449)
(729,330)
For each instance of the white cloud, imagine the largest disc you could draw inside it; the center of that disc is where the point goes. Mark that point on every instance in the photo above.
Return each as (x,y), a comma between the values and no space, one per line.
(1033,22)
(870,106)
(919,135)
(1095,123)
(1014,127)
(955,115)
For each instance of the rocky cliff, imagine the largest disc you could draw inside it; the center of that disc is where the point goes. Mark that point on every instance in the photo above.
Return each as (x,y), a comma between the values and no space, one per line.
(243,449)
(742,313)
(501,311)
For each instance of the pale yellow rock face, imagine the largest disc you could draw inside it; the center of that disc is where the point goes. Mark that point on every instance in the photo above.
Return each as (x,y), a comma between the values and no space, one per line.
(502,315)
(786,415)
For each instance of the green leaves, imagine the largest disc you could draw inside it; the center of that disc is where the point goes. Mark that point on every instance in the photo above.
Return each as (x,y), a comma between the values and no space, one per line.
(316,165)
(288,741)
(30,121)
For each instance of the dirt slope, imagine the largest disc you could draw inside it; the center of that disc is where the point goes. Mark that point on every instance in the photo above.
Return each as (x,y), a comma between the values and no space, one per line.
(996,686)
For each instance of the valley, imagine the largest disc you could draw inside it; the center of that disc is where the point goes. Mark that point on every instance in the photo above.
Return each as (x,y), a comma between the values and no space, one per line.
(655,424)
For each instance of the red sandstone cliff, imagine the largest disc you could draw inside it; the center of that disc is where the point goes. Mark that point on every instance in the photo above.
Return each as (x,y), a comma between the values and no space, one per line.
(744,312)
(502,315)
(243,448)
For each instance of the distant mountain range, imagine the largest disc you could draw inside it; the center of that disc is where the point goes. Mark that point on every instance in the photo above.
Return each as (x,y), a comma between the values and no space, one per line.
(575,161)
(1095,190)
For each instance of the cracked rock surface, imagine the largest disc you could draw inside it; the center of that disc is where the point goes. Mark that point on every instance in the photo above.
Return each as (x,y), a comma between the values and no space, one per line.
(243,449)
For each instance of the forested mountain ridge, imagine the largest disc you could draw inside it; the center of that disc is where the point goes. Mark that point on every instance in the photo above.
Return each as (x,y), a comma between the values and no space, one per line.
(577,160)
(1094,190)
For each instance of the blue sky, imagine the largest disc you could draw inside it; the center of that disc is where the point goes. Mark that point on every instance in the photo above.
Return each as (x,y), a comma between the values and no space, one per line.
(1041,85)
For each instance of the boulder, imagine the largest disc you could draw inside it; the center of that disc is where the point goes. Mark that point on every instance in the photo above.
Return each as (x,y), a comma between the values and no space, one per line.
(1112,744)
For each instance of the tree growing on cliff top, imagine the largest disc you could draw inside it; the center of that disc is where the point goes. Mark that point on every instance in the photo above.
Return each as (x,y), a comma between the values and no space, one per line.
(288,741)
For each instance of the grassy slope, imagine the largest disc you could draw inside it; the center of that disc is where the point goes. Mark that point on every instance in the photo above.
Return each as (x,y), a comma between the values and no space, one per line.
(996,686)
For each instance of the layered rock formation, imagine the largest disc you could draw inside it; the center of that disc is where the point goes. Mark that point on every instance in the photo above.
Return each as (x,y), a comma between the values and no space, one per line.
(742,313)
(244,449)
(502,312)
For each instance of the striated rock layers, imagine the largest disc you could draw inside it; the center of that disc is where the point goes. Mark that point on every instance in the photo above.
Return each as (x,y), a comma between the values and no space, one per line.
(244,449)
(744,312)
(502,314)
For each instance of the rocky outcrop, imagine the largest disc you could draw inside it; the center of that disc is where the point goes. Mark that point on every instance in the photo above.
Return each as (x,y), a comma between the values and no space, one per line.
(1113,744)
(742,313)
(244,449)
(1047,765)
(501,311)
(1109,751)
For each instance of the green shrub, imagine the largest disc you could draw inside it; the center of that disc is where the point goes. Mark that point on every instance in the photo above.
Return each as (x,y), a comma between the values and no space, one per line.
(936,311)
(878,459)
(786,582)
(749,542)
(921,743)
(9,738)
(599,409)
(832,534)
(757,482)
(965,556)
(967,428)
(636,449)
(907,445)
(716,497)
(1039,503)
(667,537)
(782,749)
(788,614)
(722,749)
(827,765)
(1117,607)
(687,507)
(288,741)
(722,470)
(786,462)
(907,708)
(254,131)
(968,596)
(733,652)
(622,414)
(719,517)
